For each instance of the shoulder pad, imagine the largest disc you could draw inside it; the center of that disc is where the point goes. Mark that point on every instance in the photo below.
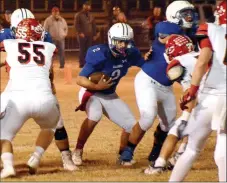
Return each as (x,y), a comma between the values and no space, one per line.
(97,54)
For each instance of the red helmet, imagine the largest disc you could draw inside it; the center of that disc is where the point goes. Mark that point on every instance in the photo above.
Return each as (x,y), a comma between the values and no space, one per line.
(30,30)
(178,45)
(220,13)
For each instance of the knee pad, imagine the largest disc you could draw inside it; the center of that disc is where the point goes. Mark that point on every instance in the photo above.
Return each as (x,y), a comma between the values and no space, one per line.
(160,135)
(147,120)
(60,134)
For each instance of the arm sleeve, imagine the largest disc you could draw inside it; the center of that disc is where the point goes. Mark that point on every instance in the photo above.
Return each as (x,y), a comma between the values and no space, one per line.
(202,36)
(87,70)
(136,58)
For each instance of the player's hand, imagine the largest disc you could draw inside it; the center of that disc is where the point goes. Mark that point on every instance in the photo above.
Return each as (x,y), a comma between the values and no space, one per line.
(103,84)
(188,98)
(148,54)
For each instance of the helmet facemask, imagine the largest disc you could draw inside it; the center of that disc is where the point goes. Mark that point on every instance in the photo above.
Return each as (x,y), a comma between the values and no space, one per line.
(187,17)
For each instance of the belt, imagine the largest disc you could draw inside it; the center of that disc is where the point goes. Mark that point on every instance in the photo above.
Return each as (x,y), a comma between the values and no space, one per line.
(158,84)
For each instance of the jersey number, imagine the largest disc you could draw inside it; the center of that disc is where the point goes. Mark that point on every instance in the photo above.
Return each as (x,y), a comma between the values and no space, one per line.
(26,56)
(116,74)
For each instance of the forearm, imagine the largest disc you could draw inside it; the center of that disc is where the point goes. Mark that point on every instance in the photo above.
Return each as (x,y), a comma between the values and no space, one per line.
(201,66)
(86,83)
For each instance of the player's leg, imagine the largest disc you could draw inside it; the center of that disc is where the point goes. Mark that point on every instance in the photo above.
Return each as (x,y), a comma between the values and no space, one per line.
(198,130)
(94,115)
(166,114)
(11,122)
(46,114)
(146,98)
(62,142)
(119,113)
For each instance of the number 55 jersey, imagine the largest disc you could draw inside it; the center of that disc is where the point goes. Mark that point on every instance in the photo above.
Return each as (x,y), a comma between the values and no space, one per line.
(30,64)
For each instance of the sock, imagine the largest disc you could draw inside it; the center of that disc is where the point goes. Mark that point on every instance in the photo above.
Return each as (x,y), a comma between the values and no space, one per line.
(160,162)
(132,146)
(7,159)
(39,151)
(182,148)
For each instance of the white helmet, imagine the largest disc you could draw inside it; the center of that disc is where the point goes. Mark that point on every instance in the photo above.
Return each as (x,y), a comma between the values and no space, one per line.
(120,32)
(18,15)
(182,13)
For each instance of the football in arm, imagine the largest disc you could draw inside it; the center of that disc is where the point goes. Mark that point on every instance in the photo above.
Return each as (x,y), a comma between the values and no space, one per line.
(175,72)
(96,76)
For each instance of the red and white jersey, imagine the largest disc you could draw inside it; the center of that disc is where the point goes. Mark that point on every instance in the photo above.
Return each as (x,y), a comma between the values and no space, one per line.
(215,82)
(30,64)
(188,61)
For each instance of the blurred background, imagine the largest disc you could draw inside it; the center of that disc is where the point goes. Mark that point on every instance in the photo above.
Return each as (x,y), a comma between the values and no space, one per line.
(136,11)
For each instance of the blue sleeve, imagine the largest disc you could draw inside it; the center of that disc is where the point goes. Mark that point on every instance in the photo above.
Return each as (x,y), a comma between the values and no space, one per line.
(47,37)
(6,34)
(136,58)
(87,70)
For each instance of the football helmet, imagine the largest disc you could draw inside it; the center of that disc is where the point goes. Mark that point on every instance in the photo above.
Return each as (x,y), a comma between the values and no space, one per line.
(220,13)
(18,15)
(182,13)
(30,30)
(177,45)
(120,32)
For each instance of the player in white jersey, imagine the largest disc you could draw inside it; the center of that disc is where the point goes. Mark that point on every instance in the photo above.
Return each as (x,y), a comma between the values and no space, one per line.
(61,136)
(29,90)
(181,57)
(210,113)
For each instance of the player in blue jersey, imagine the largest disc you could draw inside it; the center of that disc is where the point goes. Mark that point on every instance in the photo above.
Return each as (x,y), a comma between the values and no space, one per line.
(113,60)
(61,137)
(153,88)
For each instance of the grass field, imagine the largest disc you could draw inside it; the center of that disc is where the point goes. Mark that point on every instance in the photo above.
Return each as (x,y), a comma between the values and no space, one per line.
(100,152)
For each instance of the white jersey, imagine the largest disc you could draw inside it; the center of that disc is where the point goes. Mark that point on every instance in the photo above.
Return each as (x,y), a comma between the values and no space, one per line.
(188,61)
(30,64)
(215,82)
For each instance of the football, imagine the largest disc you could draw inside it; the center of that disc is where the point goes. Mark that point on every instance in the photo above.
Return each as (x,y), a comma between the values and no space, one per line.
(96,76)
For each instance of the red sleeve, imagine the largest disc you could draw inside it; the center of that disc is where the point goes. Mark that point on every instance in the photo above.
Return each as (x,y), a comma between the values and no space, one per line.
(202,35)
(202,30)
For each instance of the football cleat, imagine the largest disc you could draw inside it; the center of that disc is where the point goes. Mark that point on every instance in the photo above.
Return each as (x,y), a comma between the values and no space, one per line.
(77,157)
(8,172)
(68,162)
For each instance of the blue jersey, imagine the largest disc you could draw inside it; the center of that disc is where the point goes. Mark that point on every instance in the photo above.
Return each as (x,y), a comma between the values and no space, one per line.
(9,34)
(100,59)
(156,66)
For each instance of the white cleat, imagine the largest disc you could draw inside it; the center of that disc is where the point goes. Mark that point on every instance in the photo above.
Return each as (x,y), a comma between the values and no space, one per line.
(125,163)
(77,157)
(172,161)
(68,162)
(8,172)
(154,170)
(33,163)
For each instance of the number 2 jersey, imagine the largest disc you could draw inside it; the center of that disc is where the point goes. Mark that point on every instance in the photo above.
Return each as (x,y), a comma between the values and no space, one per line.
(30,64)
(215,82)
(100,59)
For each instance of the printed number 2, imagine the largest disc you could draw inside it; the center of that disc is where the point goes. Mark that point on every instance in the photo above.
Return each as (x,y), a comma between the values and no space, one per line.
(116,74)
(26,56)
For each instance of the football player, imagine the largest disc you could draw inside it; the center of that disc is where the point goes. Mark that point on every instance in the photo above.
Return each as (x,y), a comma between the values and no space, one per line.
(114,60)
(210,113)
(29,90)
(61,136)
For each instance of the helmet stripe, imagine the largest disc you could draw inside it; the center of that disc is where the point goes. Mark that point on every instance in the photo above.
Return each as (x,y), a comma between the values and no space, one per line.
(126,29)
(22,13)
(123,29)
(26,13)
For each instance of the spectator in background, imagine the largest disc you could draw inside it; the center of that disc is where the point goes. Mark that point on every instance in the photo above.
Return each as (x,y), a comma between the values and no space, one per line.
(118,16)
(5,23)
(153,20)
(86,30)
(58,29)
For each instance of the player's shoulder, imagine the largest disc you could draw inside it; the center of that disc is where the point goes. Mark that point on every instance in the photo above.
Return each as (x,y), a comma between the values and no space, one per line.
(6,34)
(5,31)
(97,54)
(134,51)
